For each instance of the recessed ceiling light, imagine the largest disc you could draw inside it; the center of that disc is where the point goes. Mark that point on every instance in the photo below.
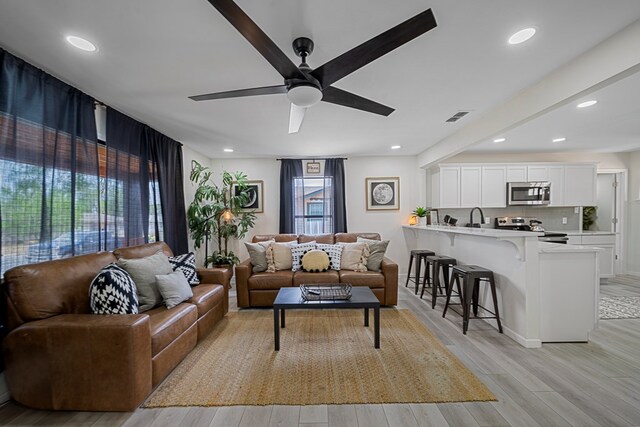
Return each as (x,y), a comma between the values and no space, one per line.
(559,140)
(499,140)
(80,43)
(228,150)
(586,104)
(522,36)
(395,147)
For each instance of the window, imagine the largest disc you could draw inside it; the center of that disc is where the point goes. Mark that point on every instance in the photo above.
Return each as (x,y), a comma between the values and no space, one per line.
(313,198)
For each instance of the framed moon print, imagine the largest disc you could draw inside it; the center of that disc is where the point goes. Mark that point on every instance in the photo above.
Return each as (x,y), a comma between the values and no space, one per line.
(383,193)
(255,203)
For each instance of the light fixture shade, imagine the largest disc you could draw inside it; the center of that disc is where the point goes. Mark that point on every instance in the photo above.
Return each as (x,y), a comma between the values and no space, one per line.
(227,215)
(304,96)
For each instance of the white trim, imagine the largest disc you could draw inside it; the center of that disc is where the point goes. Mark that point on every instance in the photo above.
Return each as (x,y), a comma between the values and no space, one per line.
(526,343)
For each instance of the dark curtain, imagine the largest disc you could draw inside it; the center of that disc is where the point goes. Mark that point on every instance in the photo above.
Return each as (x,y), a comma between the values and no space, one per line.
(145,199)
(49,167)
(334,168)
(289,170)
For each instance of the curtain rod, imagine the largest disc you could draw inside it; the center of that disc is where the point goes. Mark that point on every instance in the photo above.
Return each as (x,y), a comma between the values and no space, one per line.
(316,158)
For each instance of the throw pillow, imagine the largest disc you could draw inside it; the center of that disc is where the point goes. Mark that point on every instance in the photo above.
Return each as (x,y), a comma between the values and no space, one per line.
(258,255)
(377,249)
(297,251)
(334,252)
(143,271)
(174,288)
(113,291)
(187,264)
(354,256)
(279,256)
(315,261)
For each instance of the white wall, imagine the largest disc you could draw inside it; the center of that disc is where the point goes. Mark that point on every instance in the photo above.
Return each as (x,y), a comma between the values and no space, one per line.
(387,223)
(633,209)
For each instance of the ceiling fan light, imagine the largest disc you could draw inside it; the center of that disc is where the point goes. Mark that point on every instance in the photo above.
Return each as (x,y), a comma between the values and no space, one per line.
(304,96)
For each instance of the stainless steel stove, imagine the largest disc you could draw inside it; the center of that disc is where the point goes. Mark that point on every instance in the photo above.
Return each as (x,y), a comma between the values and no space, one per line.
(530,224)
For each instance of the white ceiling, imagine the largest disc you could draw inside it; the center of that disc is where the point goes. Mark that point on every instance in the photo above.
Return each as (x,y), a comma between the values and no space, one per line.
(154,53)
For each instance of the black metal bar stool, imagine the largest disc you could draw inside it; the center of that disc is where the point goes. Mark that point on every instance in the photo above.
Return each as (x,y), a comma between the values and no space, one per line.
(438,263)
(471,276)
(419,255)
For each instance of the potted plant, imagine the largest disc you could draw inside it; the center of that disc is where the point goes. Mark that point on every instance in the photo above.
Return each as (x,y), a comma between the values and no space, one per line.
(217,213)
(421,213)
(589,216)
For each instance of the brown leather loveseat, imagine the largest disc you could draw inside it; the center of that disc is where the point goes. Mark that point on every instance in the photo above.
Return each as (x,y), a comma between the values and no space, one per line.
(59,356)
(260,289)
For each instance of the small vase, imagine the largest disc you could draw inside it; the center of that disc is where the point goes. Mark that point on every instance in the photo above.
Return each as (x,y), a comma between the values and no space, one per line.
(422,220)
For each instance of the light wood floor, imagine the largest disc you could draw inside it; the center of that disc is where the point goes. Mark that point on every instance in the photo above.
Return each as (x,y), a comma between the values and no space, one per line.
(558,385)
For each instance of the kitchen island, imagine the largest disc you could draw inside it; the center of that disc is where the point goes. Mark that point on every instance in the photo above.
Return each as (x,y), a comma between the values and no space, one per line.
(546,292)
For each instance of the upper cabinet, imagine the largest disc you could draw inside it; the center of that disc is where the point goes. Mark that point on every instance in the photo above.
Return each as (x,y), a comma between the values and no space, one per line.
(484,185)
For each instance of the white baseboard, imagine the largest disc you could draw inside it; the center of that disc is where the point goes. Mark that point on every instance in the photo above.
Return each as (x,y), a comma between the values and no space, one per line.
(633,273)
(525,342)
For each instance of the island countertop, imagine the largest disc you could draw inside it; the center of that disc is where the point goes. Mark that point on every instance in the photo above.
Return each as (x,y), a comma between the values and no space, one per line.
(486,232)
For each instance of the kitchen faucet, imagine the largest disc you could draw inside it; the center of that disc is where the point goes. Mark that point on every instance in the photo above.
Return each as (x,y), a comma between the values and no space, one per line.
(471,223)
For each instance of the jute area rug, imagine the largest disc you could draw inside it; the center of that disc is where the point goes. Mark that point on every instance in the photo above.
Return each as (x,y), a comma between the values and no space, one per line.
(325,357)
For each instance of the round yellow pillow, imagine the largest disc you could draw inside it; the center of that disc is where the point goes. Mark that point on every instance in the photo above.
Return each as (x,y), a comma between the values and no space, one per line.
(315,261)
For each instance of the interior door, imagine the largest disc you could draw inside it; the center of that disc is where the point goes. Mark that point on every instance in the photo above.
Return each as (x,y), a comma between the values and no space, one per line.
(606,202)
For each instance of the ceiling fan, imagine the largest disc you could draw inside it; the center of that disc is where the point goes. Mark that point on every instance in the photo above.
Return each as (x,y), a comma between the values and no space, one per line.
(306,87)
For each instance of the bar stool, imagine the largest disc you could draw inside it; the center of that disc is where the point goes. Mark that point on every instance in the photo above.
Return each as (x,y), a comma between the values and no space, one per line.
(419,255)
(437,263)
(471,276)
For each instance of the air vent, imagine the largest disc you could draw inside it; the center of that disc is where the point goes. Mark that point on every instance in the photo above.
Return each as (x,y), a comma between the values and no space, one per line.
(457,116)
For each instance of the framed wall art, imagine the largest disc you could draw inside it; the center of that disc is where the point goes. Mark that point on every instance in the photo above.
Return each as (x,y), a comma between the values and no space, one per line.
(383,193)
(256,199)
(313,168)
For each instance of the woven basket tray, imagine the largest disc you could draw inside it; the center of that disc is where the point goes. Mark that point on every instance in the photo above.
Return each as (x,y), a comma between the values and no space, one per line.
(326,292)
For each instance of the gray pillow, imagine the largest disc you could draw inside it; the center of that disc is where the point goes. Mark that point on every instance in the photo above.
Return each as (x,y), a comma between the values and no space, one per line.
(258,255)
(143,272)
(377,249)
(174,288)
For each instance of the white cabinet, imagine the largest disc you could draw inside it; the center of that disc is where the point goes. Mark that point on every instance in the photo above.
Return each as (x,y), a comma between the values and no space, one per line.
(556,179)
(580,185)
(607,255)
(494,187)
(537,173)
(470,186)
(449,187)
(517,173)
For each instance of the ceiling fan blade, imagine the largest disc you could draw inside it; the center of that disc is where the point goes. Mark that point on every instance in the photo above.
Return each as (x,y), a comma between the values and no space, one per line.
(348,99)
(258,39)
(295,118)
(373,49)
(266,90)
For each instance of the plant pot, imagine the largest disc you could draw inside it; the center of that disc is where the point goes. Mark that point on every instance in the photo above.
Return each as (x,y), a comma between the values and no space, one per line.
(422,220)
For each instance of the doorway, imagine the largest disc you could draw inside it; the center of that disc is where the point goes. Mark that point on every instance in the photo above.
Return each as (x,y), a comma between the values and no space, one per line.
(611,190)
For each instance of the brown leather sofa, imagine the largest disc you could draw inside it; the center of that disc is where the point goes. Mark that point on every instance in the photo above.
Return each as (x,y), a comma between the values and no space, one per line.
(59,356)
(260,289)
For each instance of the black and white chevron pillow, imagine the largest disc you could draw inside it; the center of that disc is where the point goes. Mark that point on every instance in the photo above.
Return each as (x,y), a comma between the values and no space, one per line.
(113,291)
(187,265)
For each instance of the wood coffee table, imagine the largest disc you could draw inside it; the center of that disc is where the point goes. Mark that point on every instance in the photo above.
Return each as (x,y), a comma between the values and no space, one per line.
(291,298)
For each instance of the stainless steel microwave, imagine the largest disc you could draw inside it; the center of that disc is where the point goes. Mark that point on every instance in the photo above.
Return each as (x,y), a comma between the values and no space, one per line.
(528,193)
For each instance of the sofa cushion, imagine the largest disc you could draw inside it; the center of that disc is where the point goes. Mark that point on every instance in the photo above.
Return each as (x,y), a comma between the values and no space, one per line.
(352,237)
(372,279)
(297,251)
(167,325)
(258,255)
(142,251)
(327,239)
(271,281)
(277,237)
(186,263)
(143,271)
(354,256)
(303,277)
(113,291)
(206,296)
(335,254)
(174,288)
(377,249)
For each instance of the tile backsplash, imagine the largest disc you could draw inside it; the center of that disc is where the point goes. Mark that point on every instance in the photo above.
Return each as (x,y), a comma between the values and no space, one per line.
(551,217)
